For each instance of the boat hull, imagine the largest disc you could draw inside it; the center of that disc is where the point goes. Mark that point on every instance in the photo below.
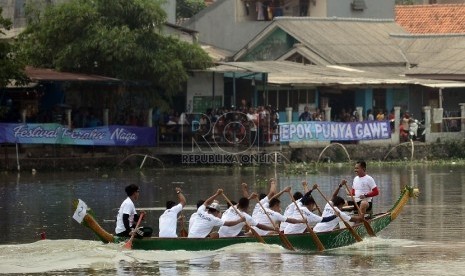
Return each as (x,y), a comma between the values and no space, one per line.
(304,242)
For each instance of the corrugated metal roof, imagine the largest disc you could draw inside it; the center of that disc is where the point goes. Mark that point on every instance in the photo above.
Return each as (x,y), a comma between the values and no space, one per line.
(341,40)
(216,53)
(421,48)
(299,75)
(438,55)
(42,74)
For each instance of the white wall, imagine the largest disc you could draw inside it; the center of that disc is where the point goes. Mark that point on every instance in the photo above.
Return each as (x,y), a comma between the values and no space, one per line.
(380,9)
(201,84)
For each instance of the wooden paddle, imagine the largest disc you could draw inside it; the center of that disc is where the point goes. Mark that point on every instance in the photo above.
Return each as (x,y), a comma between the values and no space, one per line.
(351,230)
(370,230)
(128,244)
(183,233)
(305,186)
(283,237)
(256,235)
(315,238)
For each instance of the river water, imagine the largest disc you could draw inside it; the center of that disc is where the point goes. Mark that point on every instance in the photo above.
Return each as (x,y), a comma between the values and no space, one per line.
(427,238)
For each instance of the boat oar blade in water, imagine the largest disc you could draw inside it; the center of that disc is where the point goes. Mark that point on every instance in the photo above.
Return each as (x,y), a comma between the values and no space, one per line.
(128,244)
(287,244)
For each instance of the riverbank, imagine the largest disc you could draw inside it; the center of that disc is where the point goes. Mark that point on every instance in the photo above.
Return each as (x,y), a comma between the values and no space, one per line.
(52,157)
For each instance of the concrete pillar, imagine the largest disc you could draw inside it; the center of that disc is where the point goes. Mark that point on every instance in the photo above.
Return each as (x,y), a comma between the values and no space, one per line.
(396,120)
(106,112)
(68,118)
(23,116)
(327,114)
(359,110)
(427,110)
(149,117)
(462,120)
(289,114)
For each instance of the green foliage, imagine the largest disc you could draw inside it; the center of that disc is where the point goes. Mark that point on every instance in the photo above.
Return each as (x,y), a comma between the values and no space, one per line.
(301,168)
(405,2)
(115,38)
(187,8)
(11,67)
(262,182)
(455,149)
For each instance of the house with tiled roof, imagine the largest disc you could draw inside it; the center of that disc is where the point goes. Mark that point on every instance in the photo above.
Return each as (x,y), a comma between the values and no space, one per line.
(431,19)
(329,36)
(365,46)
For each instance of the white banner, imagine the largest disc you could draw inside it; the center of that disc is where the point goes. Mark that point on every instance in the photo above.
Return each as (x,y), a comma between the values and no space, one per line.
(80,212)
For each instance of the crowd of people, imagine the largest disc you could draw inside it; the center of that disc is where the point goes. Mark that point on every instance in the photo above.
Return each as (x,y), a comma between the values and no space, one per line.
(266,217)
(243,125)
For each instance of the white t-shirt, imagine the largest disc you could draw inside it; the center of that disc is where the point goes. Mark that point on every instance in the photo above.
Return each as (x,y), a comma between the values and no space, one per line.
(298,228)
(253,118)
(204,223)
(192,220)
(330,225)
(231,215)
(168,222)
(289,212)
(363,185)
(127,207)
(264,201)
(262,218)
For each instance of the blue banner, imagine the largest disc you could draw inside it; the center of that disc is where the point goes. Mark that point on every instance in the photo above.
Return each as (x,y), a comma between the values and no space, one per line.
(113,135)
(334,131)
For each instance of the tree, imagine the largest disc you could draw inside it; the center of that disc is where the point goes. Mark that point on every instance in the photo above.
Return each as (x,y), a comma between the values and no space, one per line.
(405,2)
(11,68)
(187,8)
(115,38)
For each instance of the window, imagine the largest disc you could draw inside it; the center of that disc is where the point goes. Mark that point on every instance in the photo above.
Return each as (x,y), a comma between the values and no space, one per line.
(358,5)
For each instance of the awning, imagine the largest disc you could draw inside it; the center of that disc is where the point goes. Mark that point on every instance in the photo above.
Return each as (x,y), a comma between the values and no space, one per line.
(42,74)
(299,75)
(451,84)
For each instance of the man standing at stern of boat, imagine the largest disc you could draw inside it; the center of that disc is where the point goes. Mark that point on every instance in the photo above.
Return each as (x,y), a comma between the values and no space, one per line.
(169,219)
(364,188)
(127,217)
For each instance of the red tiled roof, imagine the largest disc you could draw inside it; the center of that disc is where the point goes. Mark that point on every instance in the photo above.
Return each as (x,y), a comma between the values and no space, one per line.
(431,19)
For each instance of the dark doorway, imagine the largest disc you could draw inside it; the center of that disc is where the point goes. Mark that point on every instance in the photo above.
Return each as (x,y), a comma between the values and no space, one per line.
(340,101)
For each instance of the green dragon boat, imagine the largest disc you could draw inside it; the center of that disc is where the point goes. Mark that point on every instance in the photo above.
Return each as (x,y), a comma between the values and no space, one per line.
(304,242)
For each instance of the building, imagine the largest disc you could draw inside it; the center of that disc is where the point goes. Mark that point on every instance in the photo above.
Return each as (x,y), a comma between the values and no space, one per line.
(230,24)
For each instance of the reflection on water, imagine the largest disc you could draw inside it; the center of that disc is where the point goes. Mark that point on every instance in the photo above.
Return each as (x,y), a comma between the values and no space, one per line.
(425,238)
(377,255)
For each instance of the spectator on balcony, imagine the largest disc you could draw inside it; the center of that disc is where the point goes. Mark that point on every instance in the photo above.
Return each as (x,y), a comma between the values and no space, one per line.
(303,5)
(260,9)
(305,116)
(380,115)
(370,116)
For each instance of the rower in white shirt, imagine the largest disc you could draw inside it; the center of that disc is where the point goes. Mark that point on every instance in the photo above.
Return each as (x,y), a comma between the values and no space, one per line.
(235,212)
(168,221)
(270,214)
(194,215)
(308,205)
(209,216)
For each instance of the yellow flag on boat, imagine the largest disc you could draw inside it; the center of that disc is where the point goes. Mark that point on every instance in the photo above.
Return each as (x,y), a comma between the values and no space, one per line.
(80,212)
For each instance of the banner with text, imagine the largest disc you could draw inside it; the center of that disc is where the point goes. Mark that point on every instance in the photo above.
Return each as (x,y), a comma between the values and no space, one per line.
(113,135)
(334,131)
